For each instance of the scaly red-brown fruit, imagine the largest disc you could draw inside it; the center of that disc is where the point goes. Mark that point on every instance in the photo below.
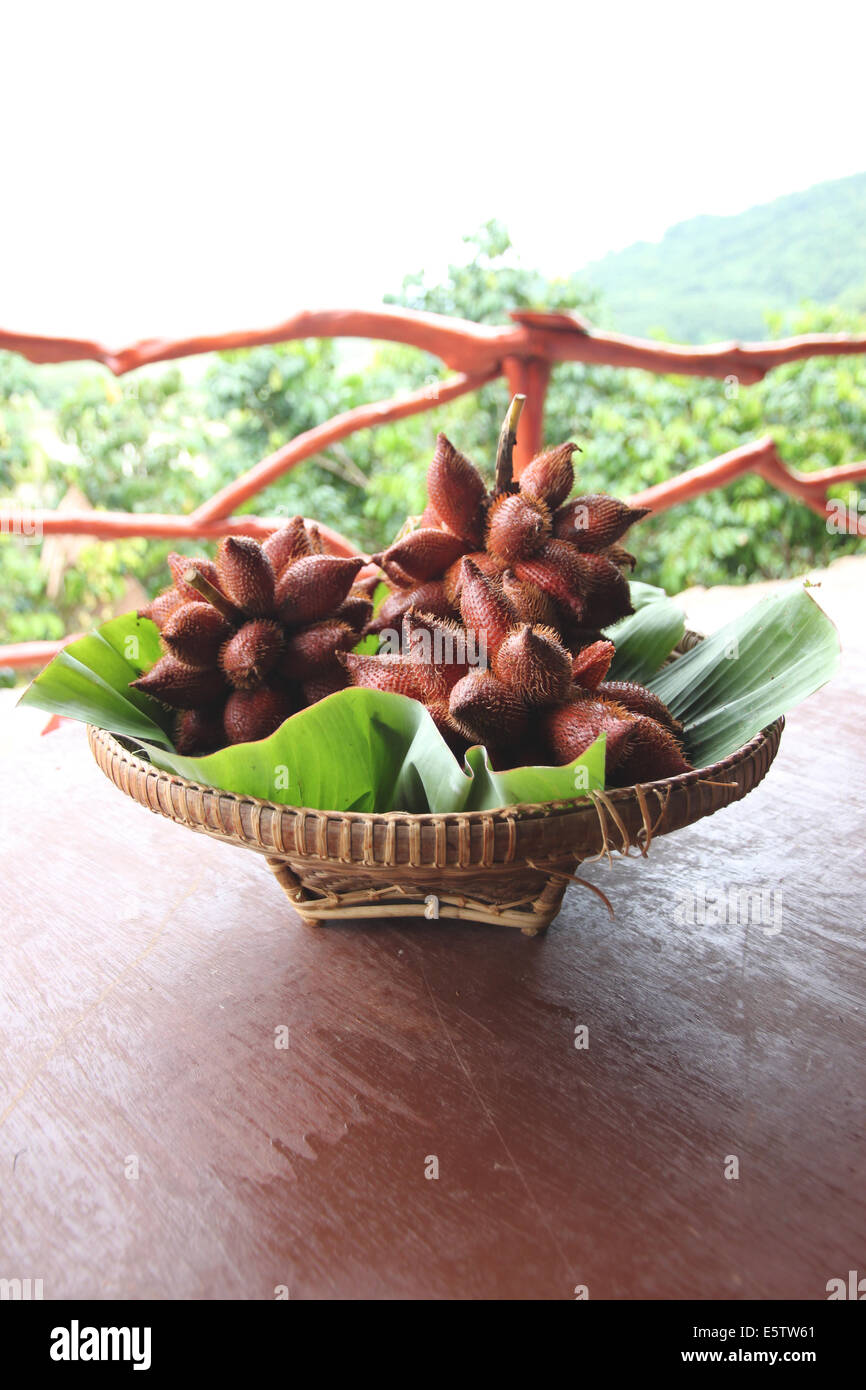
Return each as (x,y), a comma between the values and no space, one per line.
(549,478)
(574,725)
(439,642)
(637,699)
(555,569)
(638,748)
(355,611)
(183,687)
(246,575)
(452,582)
(397,674)
(653,753)
(198,731)
(605,586)
(548,580)
(194,632)
(456,491)
(592,663)
(252,653)
(425,598)
(484,608)
(410,675)
(250,715)
(619,557)
(309,651)
(535,703)
(517,526)
(288,544)
(584,585)
(422,555)
(530,604)
(258,640)
(487,710)
(323,684)
(160,609)
(534,662)
(595,521)
(313,586)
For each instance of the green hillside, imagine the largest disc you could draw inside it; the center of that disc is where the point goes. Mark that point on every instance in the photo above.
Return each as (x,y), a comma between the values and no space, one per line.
(717,277)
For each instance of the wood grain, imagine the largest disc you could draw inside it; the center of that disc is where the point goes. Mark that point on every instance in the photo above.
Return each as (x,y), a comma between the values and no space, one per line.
(146,969)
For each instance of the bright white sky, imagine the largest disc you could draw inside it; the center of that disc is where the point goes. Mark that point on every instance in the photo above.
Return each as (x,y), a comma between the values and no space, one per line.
(182,167)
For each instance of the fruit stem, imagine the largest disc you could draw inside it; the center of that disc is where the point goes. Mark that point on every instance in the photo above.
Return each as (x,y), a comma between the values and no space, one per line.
(507,441)
(203,586)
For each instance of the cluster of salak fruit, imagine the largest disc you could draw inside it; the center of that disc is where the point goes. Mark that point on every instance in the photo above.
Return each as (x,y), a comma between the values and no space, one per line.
(557,562)
(535,702)
(253,636)
(500,597)
(536,578)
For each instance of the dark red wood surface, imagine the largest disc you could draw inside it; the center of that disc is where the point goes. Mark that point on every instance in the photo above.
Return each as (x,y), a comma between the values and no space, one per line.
(145,971)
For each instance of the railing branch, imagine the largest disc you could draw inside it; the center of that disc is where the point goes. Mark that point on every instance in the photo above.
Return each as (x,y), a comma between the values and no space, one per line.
(461,344)
(116,526)
(21,655)
(761,457)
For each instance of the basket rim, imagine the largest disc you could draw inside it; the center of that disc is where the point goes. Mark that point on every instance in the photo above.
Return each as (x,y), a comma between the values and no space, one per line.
(525,810)
(508,865)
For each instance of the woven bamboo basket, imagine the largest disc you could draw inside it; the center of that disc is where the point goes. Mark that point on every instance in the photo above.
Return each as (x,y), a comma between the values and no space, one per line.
(509,867)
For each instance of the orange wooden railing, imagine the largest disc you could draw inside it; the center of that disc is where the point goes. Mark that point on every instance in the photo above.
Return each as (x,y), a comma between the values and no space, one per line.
(524,352)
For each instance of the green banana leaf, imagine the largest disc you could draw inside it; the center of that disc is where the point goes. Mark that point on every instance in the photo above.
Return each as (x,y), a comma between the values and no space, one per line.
(736,682)
(646,638)
(533,784)
(392,757)
(89,680)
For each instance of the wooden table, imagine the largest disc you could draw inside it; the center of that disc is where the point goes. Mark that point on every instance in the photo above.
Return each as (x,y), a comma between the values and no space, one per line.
(149,974)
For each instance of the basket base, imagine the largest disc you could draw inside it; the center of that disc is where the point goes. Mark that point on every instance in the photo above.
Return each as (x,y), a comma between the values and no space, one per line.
(529,915)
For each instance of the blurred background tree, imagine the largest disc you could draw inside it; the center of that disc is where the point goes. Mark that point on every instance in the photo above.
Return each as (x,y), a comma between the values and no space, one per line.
(166,439)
